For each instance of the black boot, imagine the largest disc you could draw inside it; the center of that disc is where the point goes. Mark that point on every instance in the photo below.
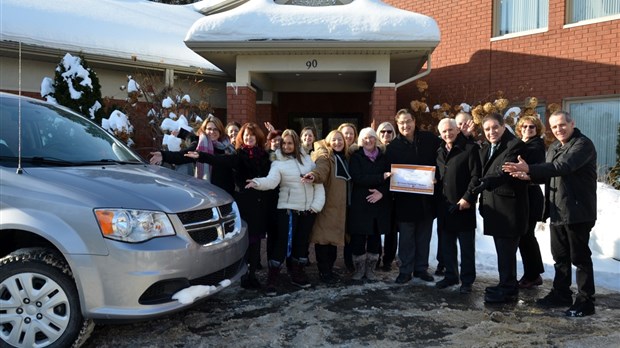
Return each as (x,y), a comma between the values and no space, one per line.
(298,274)
(272,278)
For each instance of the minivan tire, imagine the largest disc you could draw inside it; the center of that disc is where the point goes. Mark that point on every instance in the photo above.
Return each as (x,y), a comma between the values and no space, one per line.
(41,303)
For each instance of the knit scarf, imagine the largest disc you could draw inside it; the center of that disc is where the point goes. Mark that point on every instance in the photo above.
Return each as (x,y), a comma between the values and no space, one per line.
(203,170)
(372,155)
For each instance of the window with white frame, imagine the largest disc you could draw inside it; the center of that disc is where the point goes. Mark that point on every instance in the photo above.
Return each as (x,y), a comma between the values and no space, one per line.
(598,119)
(513,16)
(583,10)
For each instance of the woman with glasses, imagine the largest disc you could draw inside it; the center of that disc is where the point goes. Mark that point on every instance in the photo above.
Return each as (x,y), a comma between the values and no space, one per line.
(530,129)
(386,133)
(212,139)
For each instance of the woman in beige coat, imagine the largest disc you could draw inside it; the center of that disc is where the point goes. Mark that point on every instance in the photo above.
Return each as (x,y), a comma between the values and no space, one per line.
(329,227)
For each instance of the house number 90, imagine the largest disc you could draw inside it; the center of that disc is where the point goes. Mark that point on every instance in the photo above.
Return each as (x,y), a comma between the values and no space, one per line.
(311,64)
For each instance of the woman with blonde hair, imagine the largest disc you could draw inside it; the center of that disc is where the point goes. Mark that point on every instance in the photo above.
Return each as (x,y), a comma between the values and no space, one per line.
(386,132)
(328,231)
(530,129)
(349,131)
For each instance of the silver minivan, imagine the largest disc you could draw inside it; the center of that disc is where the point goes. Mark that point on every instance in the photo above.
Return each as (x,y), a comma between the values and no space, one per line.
(91,232)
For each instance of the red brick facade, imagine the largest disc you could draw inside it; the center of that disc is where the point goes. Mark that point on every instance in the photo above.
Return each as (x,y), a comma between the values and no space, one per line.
(241,104)
(383,107)
(559,63)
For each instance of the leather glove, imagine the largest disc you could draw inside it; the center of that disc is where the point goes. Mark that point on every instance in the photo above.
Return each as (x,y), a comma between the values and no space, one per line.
(483,184)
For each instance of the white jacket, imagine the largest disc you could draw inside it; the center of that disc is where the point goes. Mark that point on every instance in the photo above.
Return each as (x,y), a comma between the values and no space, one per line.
(295,195)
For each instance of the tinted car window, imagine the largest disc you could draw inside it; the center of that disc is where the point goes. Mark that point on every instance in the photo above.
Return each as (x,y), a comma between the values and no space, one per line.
(51,134)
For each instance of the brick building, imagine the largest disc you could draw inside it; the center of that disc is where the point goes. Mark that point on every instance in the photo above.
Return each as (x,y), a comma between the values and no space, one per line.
(569,55)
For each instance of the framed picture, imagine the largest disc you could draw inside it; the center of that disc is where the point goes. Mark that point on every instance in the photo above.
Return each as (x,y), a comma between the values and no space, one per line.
(412,178)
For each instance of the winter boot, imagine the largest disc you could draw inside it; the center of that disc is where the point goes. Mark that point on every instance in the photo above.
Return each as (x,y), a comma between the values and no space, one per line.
(359,261)
(272,278)
(298,274)
(371,261)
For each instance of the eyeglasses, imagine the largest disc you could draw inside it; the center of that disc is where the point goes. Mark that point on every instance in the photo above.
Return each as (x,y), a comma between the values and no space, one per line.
(385,131)
(531,126)
(402,123)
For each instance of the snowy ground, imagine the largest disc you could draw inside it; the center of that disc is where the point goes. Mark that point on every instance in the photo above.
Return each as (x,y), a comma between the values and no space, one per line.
(384,314)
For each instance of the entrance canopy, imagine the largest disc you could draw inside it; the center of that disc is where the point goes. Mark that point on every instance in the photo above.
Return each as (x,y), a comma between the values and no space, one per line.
(283,47)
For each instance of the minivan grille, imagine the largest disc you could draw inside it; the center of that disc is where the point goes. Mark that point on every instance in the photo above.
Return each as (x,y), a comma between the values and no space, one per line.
(209,225)
(226,209)
(190,217)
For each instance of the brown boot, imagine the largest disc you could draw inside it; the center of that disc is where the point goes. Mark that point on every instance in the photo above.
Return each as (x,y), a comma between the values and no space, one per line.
(371,261)
(359,261)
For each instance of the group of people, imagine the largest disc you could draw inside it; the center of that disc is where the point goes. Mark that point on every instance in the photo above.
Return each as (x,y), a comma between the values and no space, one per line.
(296,190)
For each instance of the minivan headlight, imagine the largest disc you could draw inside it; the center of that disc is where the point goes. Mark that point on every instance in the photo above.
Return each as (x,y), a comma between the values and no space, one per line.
(133,225)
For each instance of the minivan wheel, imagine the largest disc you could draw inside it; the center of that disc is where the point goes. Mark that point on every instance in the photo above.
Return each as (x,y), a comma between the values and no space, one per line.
(39,303)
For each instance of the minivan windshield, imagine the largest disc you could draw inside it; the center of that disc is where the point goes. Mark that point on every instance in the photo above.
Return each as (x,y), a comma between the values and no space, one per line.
(56,136)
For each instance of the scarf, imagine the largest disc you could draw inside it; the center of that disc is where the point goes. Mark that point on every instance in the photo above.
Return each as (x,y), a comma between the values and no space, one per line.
(203,170)
(342,169)
(372,155)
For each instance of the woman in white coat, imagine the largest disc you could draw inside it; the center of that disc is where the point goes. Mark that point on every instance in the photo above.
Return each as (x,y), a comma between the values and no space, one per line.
(298,202)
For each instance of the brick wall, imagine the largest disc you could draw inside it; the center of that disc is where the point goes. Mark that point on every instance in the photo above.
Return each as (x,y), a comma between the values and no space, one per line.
(383,106)
(560,63)
(241,104)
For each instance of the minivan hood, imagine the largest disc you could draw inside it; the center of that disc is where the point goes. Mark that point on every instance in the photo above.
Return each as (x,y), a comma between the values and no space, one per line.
(130,186)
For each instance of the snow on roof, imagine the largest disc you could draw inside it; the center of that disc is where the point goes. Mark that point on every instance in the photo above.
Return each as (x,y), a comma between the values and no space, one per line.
(150,31)
(360,20)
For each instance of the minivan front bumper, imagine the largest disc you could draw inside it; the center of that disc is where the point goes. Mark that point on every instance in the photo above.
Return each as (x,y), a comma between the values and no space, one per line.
(137,281)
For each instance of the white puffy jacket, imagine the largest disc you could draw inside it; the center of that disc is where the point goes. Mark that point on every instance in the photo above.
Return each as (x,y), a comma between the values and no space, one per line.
(286,172)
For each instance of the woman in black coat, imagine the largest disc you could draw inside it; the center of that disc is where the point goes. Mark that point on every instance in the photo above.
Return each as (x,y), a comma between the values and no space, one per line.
(503,205)
(251,160)
(458,170)
(369,212)
(530,130)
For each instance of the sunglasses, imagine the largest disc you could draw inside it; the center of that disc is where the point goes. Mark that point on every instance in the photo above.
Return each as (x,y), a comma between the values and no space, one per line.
(386,131)
(531,126)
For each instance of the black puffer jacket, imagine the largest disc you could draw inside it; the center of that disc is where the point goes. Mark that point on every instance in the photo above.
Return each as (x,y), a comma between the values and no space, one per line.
(570,176)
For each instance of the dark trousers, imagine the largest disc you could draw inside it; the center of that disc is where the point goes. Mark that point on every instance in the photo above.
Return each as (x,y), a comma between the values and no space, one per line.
(506,249)
(414,244)
(530,253)
(569,244)
(300,224)
(363,243)
(252,256)
(390,244)
(325,257)
(449,253)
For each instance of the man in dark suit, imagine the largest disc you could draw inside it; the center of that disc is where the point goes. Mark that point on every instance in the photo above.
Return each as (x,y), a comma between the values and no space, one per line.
(503,205)
(570,203)
(414,212)
(458,170)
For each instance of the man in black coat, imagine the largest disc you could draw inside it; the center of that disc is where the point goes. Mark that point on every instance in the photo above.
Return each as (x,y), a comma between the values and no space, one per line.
(570,203)
(503,205)
(458,170)
(414,212)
